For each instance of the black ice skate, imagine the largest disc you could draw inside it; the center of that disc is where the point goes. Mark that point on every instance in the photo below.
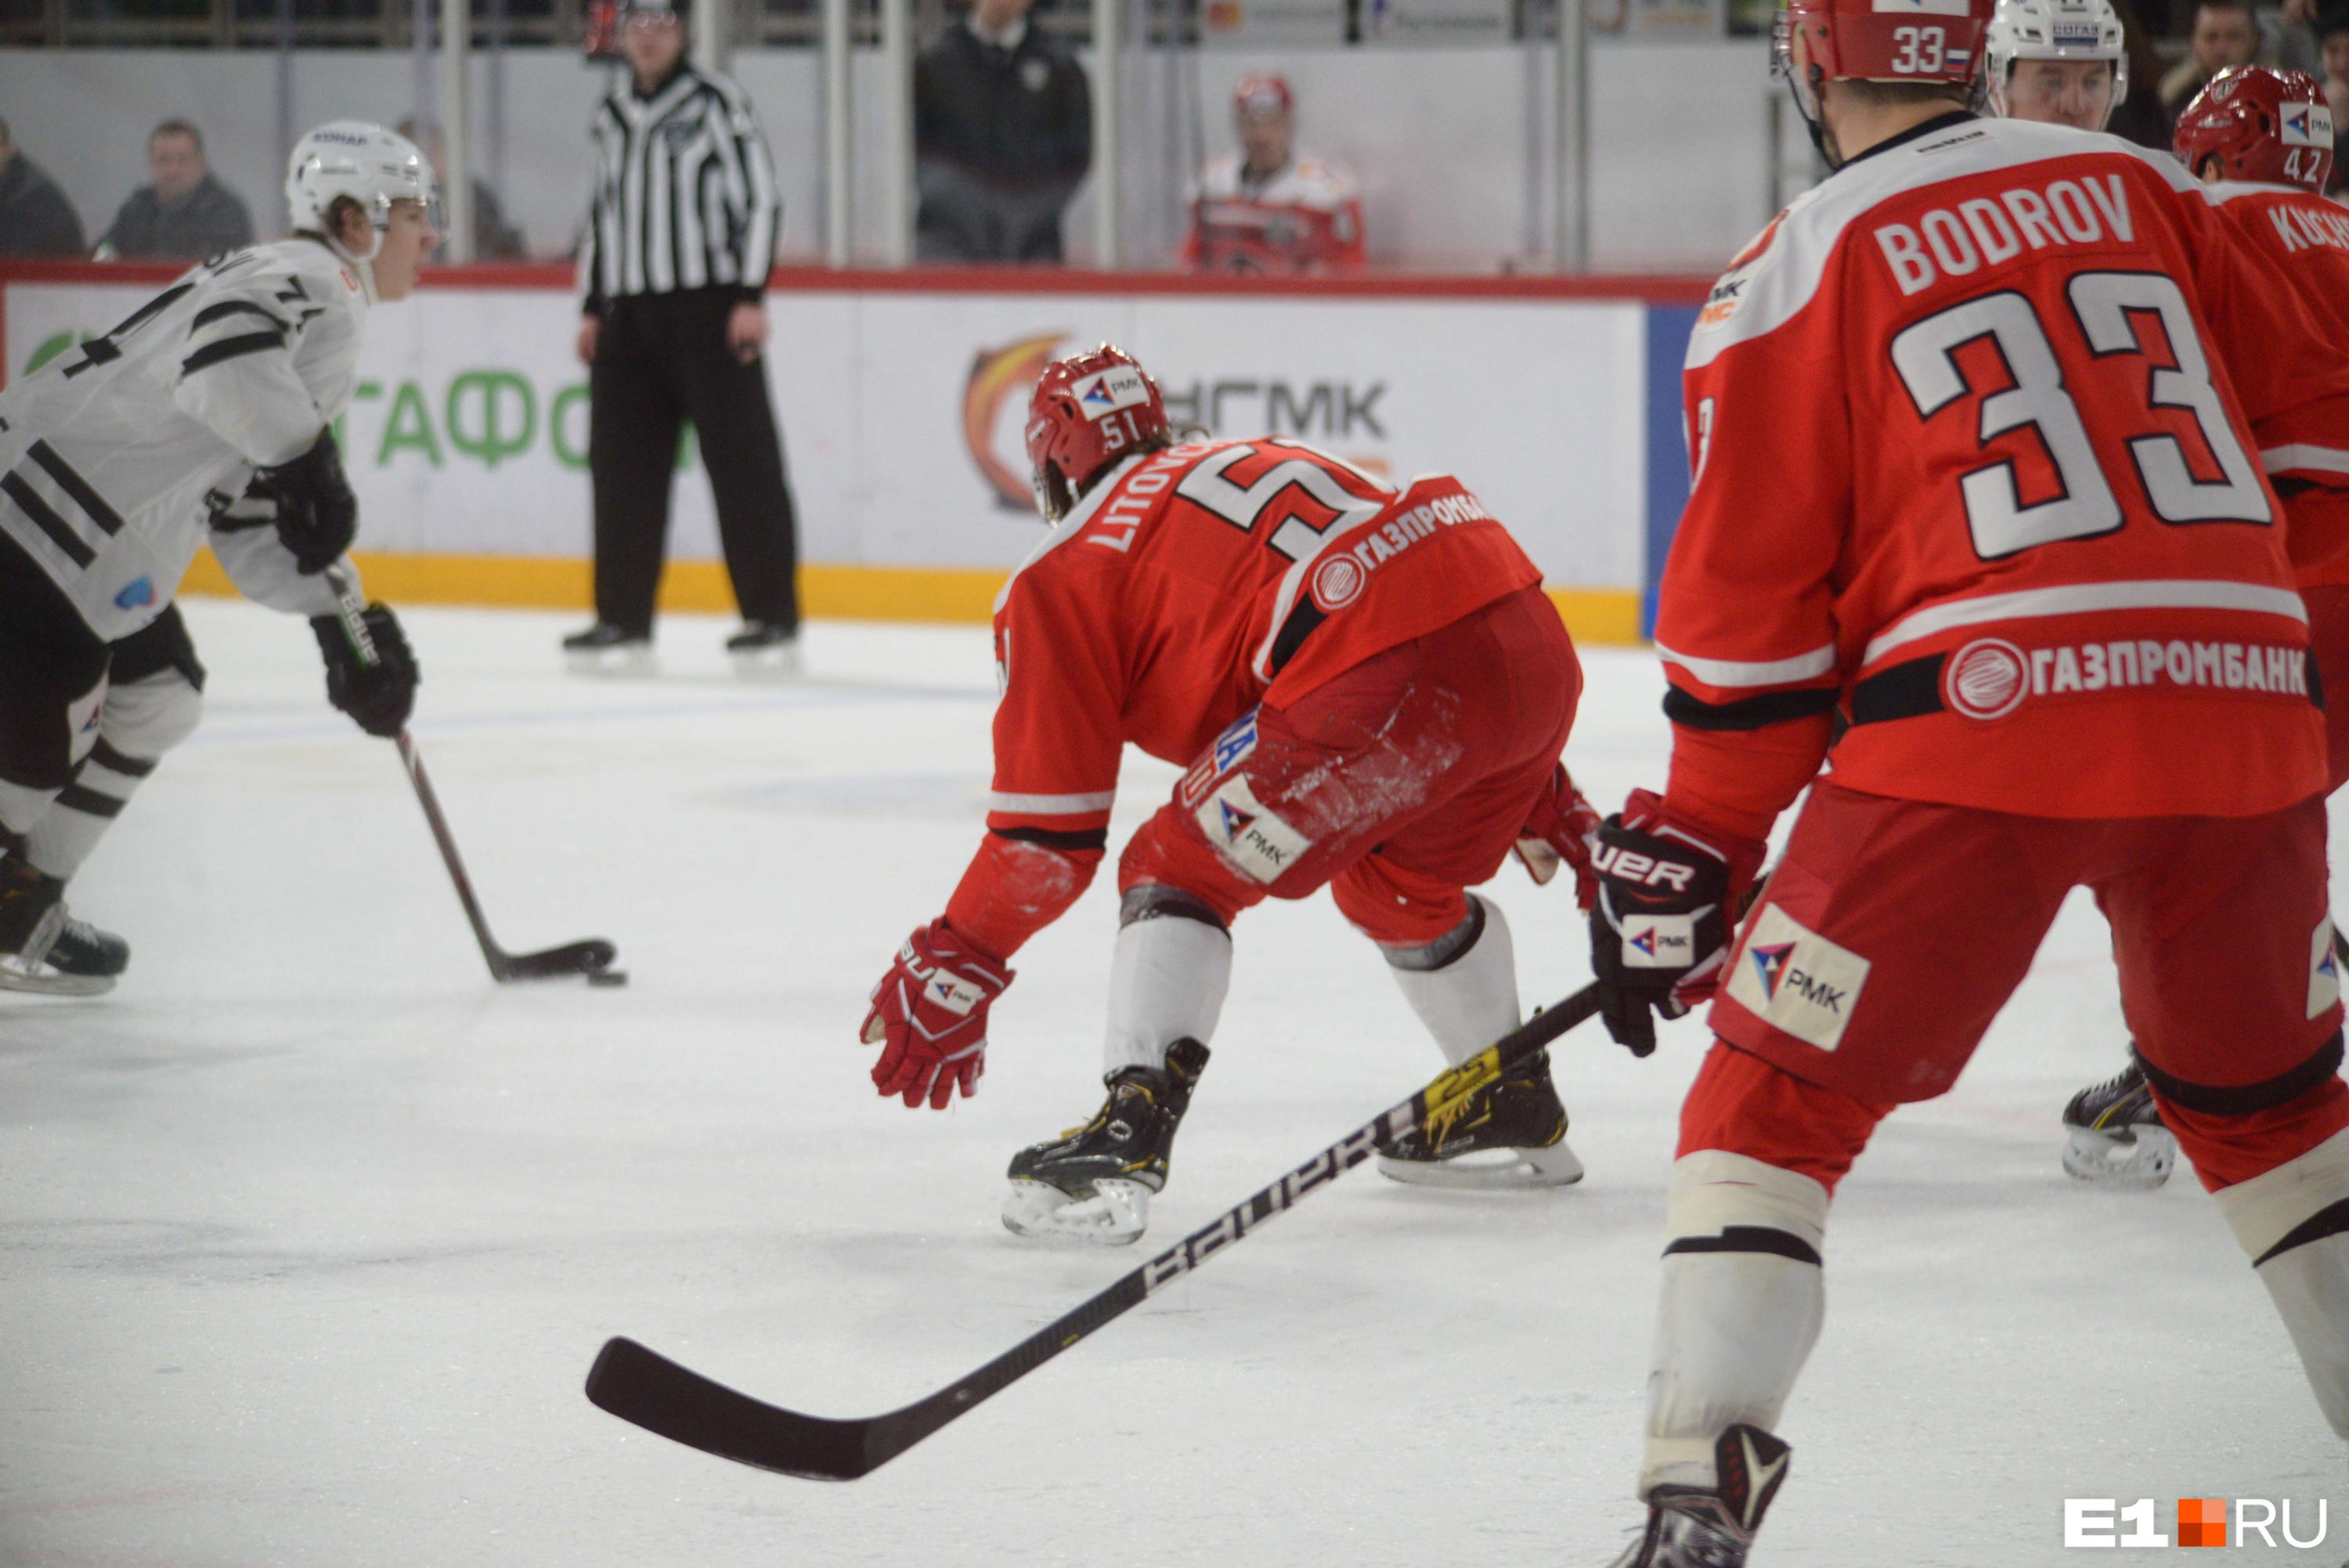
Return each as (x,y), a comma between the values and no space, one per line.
(604,649)
(1094,1182)
(1693,1527)
(765,650)
(1510,1134)
(85,951)
(33,922)
(2116,1138)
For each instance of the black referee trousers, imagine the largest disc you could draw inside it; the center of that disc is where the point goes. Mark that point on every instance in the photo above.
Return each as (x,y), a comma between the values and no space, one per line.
(661,359)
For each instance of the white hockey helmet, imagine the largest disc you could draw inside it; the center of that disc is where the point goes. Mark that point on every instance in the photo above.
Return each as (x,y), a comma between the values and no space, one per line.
(2053,30)
(353,157)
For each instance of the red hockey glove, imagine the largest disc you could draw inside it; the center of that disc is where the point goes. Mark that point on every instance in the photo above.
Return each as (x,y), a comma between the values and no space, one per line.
(1560,831)
(1669,891)
(931,1009)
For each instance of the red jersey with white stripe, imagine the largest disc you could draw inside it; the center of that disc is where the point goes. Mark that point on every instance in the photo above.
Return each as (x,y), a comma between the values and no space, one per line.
(1306,218)
(1191,584)
(1979,428)
(2307,237)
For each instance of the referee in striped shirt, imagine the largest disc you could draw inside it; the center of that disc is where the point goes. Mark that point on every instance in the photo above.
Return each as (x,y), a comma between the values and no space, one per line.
(680,234)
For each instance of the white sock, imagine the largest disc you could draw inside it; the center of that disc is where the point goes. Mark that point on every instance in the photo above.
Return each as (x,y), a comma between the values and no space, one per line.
(2293,1222)
(1740,1310)
(1470,999)
(1166,982)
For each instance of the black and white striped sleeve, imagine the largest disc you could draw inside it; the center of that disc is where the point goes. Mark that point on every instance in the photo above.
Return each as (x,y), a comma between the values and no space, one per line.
(599,242)
(759,213)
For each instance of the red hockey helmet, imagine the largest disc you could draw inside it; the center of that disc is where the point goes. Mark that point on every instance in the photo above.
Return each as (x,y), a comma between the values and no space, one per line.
(1089,411)
(1263,97)
(2273,127)
(1880,41)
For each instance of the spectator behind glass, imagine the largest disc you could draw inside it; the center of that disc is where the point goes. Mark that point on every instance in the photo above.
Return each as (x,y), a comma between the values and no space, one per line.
(185,215)
(1002,134)
(2225,35)
(35,219)
(2332,39)
(1271,209)
(492,240)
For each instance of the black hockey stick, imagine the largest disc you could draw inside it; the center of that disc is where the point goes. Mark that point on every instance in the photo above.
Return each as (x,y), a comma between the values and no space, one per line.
(591,957)
(659,1395)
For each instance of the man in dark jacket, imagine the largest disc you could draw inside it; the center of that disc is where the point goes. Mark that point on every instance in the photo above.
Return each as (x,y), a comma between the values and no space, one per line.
(1002,134)
(185,215)
(35,219)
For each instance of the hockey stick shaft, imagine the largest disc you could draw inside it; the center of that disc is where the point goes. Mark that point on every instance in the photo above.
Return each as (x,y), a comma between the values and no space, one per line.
(351,611)
(578,957)
(498,960)
(655,1393)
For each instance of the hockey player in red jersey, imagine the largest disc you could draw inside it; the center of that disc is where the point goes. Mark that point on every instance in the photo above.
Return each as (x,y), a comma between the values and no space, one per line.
(2028,556)
(1369,690)
(1272,210)
(2262,143)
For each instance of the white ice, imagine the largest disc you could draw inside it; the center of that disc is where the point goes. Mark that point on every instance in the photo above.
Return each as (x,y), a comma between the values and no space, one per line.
(311,1231)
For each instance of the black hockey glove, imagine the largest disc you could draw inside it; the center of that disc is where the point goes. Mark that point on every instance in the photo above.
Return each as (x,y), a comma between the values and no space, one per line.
(1668,891)
(318,515)
(377,695)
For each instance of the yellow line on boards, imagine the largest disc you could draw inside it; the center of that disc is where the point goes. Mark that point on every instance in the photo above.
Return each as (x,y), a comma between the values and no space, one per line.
(1595,615)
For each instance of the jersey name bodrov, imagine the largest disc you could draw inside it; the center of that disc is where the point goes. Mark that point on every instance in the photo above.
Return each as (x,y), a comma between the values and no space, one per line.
(1978,428)
(1191,585)
(107,454)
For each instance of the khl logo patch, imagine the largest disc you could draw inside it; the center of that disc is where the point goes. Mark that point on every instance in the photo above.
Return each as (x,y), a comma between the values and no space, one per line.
(1794,979)
(1255,840)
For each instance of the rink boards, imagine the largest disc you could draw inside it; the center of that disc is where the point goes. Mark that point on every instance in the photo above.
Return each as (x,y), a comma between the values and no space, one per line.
(902,396)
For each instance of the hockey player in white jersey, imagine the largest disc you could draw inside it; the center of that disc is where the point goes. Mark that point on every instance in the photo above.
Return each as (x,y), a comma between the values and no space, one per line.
(206,414)
(2058,62)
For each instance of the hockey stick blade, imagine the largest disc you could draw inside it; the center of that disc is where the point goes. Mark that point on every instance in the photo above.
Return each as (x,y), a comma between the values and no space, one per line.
(679,1403)
(653,1392)
(592,956)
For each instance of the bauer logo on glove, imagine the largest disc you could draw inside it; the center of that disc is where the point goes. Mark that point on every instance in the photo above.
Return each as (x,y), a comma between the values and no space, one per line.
(1640,871)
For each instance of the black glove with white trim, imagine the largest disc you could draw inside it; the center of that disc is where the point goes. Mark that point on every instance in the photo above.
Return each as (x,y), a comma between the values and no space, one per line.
(380,696)
(318,515)
(1667,895)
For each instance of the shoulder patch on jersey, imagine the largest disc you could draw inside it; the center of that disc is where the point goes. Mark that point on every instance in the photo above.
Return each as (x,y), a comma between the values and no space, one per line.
(1729,293)
(1794,979)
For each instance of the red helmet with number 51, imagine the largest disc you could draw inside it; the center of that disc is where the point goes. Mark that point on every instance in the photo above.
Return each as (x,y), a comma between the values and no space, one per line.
(2272,127)
(1089,411)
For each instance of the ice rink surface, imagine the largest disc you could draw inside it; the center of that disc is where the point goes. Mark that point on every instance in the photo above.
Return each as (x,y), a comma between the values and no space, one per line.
(310,1232)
